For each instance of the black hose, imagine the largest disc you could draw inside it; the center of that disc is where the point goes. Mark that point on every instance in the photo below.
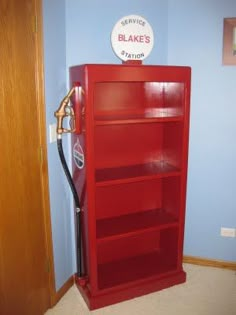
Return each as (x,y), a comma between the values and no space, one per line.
(77,205)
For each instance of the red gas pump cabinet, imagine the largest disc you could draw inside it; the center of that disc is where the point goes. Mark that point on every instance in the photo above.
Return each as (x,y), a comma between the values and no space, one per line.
(132,128)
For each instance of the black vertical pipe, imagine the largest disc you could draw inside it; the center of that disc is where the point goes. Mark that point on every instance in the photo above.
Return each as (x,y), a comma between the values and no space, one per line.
(77,206)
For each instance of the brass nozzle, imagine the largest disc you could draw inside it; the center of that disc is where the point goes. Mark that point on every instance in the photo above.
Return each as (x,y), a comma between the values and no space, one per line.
(64,110)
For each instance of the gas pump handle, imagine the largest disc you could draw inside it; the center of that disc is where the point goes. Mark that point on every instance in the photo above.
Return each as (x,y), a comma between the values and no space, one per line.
(65,110)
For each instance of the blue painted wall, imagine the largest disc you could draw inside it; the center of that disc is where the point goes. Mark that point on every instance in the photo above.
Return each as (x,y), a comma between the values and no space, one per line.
(186,33)
(195,39)
(55,89)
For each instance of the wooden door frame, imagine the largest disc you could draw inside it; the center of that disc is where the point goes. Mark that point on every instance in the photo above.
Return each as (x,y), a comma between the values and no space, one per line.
(55,296)
(43,142)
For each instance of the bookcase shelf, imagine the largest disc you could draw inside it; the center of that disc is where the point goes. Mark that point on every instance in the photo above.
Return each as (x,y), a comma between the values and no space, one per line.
(116,273)
(131,173)
(122,226)
(135,118)
(152,253)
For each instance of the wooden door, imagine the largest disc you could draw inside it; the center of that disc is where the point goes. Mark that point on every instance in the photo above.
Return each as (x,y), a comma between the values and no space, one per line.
(24,278)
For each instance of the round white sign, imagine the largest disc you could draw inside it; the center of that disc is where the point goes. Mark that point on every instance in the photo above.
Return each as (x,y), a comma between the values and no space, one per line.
(132,38)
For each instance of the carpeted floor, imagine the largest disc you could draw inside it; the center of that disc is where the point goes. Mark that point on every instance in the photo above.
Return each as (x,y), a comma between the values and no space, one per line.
(208,291)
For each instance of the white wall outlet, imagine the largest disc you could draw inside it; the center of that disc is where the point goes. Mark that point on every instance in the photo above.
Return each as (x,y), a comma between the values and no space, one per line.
(227,232)
(52,133)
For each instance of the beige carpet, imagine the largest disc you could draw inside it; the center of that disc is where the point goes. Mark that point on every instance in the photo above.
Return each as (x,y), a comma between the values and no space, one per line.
(208,291)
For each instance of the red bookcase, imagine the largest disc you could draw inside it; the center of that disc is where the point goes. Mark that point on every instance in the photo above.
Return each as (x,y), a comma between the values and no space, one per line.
(132,123)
